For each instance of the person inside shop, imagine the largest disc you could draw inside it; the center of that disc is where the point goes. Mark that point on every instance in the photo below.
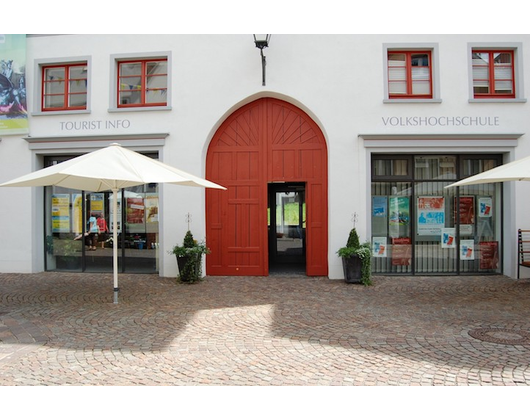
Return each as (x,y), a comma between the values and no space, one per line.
(103,230)
(92,233)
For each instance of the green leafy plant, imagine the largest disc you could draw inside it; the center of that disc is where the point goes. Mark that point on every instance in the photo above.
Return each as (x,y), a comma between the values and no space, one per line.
(190,255)
(362,251)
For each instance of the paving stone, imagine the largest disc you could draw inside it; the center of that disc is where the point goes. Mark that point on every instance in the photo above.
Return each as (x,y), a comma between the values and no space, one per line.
(64,329)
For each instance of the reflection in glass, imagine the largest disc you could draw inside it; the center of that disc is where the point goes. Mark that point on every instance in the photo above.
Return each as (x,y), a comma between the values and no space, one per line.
(435,167)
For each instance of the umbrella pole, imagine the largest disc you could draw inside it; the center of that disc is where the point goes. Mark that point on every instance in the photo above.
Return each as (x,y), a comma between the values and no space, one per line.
(115,243)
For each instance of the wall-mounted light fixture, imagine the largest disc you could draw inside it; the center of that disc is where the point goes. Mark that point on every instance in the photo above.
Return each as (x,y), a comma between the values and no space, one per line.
(262,41)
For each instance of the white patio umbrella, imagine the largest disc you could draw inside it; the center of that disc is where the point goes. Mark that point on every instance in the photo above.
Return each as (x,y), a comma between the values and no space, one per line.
(518,170)
(110,168)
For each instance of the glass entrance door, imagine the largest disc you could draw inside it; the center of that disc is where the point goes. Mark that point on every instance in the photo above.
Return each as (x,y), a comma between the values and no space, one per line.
(287,226)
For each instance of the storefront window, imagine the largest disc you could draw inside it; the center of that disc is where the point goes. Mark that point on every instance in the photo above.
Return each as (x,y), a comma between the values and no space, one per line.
(391,227)
(72,245)
(420,227)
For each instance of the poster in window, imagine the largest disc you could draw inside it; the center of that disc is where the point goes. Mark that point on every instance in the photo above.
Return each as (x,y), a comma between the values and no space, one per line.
(61,213)
(151,208)
(485,207)
(96,203)
(379,215)
(467,249)
(379,206)
(489,255)
(135,210)
(379,247)
(401,251)
(431,215)
(448,238)
(398,224)
(466,210)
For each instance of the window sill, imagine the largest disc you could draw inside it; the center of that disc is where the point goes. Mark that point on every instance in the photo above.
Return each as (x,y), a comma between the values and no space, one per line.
(141,109)
(498,100)
(63,112)
(412,101)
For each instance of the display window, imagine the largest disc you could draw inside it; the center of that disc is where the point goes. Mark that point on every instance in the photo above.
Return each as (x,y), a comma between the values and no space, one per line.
(79,235)
(420,227)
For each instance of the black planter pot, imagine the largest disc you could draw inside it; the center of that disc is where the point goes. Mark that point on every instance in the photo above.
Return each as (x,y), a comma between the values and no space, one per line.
(352,269)
(189,268)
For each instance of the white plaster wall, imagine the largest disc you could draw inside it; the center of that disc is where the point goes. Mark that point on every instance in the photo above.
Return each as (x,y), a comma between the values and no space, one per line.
(337,80)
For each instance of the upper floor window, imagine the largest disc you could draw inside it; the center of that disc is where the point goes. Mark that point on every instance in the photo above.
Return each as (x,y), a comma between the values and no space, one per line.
(64,87)
(142,83)
(493,74)
(409,74)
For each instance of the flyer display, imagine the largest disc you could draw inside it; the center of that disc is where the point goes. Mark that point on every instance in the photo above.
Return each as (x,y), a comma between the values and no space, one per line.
(489,255)
(431,215)
(467,250)
(448,238)
(60,213)
(401,251)
(379,247)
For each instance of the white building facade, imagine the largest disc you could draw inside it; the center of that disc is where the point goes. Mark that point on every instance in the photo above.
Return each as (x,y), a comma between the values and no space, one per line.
(348,130)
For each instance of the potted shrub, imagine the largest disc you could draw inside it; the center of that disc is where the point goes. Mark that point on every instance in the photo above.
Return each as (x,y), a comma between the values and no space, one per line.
(356,260)
(189,258)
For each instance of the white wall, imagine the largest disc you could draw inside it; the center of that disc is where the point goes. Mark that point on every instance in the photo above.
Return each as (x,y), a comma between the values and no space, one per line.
(338,80)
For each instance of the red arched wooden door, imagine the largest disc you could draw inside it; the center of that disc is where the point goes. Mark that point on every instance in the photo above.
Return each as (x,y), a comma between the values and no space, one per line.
(266,141)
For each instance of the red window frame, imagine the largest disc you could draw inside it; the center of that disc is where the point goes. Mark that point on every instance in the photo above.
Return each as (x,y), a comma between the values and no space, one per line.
(408,74)
(491,74)
(143,87)
(67,93)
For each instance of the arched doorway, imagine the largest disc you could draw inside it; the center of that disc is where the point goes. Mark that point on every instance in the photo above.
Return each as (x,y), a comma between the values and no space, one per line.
(263,144)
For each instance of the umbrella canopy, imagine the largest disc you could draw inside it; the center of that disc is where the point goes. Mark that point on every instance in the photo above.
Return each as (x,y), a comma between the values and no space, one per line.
(518,170)
(110,168)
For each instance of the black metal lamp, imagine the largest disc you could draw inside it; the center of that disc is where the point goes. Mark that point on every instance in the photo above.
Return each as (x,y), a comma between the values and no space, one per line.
(262,41)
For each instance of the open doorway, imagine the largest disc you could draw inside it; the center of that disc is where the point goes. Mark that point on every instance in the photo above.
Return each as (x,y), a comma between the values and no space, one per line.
(287,228)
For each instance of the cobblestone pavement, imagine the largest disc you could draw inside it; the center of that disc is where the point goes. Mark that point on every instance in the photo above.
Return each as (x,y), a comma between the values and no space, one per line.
(64,329)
